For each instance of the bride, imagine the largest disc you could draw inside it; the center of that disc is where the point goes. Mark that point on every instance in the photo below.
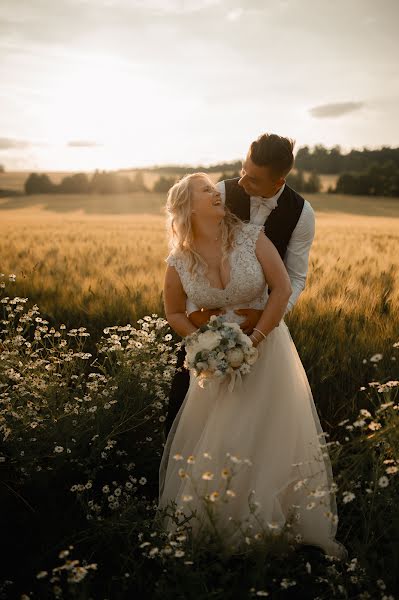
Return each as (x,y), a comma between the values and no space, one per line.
(261,439)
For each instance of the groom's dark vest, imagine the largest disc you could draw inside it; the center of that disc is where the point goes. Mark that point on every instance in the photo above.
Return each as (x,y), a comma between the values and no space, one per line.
(278,227)
(282,220)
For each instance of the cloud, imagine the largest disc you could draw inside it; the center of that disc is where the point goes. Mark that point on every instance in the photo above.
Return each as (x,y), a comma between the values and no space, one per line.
(83,143)
(7,143)
(335,109)
(235,14)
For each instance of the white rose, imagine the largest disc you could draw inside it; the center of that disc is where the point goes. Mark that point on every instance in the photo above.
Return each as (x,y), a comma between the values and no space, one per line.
(209,340)
(192,350)
(245,339)
(251,355)
(235,356)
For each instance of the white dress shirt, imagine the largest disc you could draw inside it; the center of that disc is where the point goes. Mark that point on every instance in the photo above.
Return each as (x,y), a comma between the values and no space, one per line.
(296,259)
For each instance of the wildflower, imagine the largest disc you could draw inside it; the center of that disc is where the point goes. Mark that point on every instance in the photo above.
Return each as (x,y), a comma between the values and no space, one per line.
(214,496)
(207,475)
(273,525)
(333,518)
(299,484)
(376,358)
(187,498)
(383,481)
(231,493)
(391,470)
(364,412)
(41,574)
(310,505)
(381,584)
(191,459)
(58,449)
(142,481)
(234,459)
(182,473)
(178,457)
(179,553)
(262,593)
(348,497)
(225,473)
(207,455)
(374,426)
(167,337)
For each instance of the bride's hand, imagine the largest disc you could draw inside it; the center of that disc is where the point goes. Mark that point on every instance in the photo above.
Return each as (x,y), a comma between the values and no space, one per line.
(252,316)
(200,317)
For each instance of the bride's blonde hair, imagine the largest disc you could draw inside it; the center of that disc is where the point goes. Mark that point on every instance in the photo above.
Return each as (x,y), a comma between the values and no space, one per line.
(179,228)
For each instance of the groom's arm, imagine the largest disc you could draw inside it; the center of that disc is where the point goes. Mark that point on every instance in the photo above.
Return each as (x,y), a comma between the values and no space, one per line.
(296,259)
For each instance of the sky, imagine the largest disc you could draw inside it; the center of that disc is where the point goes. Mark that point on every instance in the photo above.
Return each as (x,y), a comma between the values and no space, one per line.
(109,84)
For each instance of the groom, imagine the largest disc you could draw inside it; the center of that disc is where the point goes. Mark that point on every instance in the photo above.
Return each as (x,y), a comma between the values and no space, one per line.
(260,196)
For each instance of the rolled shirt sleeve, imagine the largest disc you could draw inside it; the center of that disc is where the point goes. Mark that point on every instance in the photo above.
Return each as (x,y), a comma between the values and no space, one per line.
(296,259)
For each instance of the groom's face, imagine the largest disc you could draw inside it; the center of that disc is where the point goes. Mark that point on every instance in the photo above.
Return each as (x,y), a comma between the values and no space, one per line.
(259,181)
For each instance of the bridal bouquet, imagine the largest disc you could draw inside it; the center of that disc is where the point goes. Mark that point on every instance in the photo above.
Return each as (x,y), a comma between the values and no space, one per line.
(219,349)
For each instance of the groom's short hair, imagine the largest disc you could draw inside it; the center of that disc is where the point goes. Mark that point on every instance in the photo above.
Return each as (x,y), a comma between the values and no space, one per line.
(273,151)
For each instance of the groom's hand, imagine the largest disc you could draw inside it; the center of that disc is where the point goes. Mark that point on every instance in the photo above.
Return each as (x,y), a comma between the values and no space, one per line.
(200,317)
(252,316)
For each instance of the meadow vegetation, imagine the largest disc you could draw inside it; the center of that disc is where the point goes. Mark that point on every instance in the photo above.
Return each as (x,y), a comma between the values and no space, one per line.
(86,363)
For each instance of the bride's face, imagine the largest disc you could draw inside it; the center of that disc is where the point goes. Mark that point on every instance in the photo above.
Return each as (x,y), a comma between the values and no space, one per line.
(206,199)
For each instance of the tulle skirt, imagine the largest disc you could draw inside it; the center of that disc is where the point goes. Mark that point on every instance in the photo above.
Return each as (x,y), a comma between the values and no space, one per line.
(260,443)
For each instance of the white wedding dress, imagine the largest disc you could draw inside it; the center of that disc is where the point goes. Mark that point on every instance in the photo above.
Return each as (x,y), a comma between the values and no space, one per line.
(267,427)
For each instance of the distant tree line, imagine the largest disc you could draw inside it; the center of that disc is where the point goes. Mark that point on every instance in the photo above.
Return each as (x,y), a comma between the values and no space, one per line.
(101,182)
(378,180)
(332,161)
(361,172)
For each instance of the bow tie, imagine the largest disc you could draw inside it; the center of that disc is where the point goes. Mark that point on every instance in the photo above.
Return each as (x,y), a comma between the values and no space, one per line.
(269,203)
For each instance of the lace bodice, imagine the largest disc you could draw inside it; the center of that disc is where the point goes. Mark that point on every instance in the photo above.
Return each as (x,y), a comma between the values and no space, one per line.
(246,287)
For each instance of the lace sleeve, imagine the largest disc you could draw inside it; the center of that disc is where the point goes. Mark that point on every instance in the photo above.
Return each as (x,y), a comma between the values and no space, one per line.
(173,260)
(248,236)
